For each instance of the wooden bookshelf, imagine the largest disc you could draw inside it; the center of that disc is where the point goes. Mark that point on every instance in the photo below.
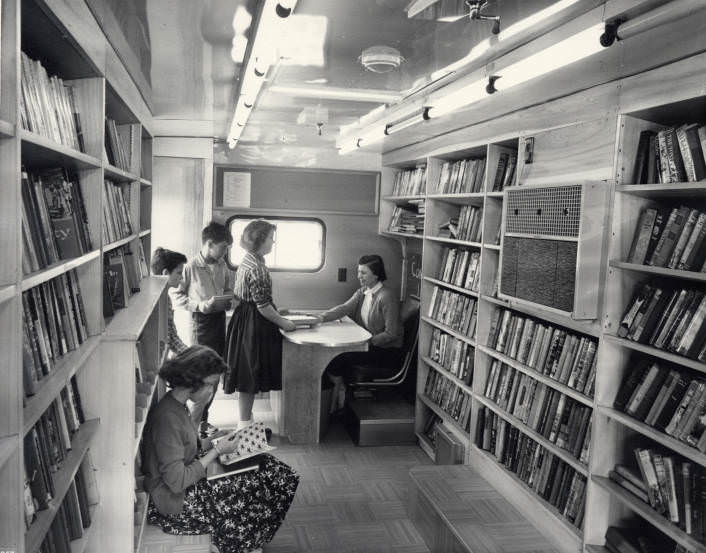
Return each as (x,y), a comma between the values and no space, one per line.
(403,199)
(472,198)
(656,352)
(446,418)
(671,190)
(453,241)
(76,54)
(453,287)
(456,380)
(401,234)
(449,330)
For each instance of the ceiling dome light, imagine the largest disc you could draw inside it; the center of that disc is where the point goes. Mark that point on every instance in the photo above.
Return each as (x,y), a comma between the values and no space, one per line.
(381,59)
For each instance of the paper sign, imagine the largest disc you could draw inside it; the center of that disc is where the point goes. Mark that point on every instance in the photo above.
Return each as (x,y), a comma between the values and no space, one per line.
(236,189)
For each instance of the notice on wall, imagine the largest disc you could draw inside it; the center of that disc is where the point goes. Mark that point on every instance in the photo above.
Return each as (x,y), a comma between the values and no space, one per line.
(236,189)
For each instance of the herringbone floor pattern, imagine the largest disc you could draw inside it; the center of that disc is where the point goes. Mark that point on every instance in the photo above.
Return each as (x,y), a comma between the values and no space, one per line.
(350,499)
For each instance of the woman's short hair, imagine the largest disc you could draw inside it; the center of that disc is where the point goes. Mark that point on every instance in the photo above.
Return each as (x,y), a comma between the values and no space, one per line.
(189,368)
(255,234)
(166,259)
(374,262)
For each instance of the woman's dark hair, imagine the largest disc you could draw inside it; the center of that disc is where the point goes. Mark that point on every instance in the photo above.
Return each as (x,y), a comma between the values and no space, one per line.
(216,232)
(255,234)
(374,262)
(166,259)
(191,366)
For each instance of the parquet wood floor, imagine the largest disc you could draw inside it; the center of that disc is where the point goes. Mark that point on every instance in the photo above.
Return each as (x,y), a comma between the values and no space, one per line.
(350,499)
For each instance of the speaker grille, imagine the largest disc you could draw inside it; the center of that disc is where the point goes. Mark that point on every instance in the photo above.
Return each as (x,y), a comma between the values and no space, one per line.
(548,211)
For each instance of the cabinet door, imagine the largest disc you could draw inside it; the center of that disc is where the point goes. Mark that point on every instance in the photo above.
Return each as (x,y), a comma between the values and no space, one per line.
(572,154)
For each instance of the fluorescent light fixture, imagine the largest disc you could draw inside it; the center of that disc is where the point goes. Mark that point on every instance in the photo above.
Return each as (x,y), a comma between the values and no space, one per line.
(334,93)
(240,45)
(420,117)
(241,20)
(349,147)
(563,53)
(372,135)
(462,97)
(305,41)
(482,47)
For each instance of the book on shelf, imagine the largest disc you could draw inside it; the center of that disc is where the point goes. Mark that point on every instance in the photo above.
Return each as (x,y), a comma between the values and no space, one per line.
(410,182)
(675,323)
(464,176)
(54,323)
(449,397)
(457,311)
(117,223)
(454,355)
(543,472)
(47,105)
(678,244)
(120,140)
(564,356)
(673,154)
(460,267)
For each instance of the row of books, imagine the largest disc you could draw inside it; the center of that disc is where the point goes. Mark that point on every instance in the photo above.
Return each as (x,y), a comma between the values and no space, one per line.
(467,226)
(505,172)
(120,142)
(559,418)
(457,311)
(117,223)
(48,106)
(53,323)
(454,355)
(408,220)
(673,487)
(460,267)
(552,351)
(666,399)
(46,446)
(674,154)
(666,318)
(550,477)
(54,218)
(410,182)
(453,400)
(673,238)
(465,176)
(122,272)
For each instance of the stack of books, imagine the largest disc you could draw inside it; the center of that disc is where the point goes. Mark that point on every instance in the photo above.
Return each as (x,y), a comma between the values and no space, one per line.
(120,141)
(409,219)
(47,106)
(674,238)
(674,154)
(560,419)
(552,351)
(670,319)
(54,219)
(464,176)
(53,323)
(550,477)
(121,274)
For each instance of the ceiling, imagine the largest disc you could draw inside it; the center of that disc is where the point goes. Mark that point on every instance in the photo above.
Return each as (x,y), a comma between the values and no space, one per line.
(337,30)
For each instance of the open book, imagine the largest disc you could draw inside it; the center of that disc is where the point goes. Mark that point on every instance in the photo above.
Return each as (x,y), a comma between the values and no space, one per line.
(218,470)
(250,441)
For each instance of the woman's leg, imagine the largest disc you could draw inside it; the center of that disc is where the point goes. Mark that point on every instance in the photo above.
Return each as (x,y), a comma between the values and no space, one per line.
(245,403)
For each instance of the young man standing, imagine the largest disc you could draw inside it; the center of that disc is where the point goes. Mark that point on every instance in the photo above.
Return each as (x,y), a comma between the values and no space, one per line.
(205,277)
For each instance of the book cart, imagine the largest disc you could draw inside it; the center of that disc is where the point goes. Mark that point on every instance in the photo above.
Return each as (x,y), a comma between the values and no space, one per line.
(100,354)
(600,147)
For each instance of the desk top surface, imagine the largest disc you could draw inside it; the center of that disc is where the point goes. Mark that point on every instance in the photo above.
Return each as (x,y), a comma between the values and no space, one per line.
(343,332)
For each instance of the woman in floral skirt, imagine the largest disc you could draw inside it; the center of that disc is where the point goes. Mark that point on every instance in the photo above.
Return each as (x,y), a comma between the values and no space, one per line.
(241,512)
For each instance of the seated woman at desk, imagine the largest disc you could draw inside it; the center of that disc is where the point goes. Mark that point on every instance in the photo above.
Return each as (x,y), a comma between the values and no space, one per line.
(241,512)
(377,309)
(253,341)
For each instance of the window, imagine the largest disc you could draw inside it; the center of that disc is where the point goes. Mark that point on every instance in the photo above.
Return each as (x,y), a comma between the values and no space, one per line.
(299,243)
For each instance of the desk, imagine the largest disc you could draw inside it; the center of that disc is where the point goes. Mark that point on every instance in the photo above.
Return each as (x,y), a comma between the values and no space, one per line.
(305,354)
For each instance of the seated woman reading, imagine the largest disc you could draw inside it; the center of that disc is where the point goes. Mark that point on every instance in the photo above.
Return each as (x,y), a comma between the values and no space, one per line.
(377,309)
(241,512)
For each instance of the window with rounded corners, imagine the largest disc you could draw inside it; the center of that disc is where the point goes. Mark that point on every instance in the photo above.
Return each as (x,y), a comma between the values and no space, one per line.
(300,243)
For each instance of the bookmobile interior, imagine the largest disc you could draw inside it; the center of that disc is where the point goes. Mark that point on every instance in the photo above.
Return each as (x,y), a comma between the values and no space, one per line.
(533,174)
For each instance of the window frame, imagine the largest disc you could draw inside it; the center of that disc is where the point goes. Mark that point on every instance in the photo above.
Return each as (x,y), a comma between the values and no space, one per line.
(274,218)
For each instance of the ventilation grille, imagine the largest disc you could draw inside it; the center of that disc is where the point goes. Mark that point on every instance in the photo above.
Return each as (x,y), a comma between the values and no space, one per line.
(551,211)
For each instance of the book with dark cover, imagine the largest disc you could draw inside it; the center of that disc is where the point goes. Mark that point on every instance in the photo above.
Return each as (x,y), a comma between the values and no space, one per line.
(629,386)
(640,169)
(625,541)
(641,239)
